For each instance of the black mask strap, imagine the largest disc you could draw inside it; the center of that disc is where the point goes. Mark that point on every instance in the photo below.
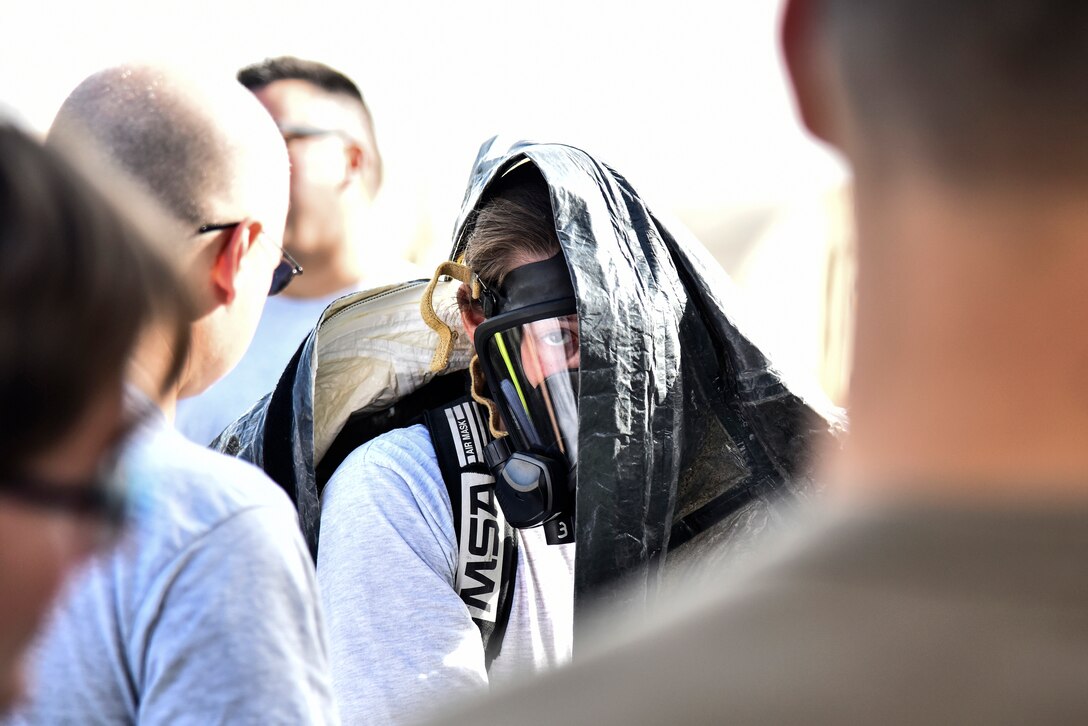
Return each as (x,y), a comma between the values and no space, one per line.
(531,284)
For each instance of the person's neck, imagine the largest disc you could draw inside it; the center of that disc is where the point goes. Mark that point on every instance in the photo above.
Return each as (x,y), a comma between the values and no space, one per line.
(327,270)
(333,264)
(150,363)
(971,372)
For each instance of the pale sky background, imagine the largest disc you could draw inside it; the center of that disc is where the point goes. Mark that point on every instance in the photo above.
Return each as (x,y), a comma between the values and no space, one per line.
(686,98)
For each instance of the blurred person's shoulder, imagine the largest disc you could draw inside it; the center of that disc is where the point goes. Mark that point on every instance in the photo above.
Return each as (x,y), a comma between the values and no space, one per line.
(849,618)
(852,568)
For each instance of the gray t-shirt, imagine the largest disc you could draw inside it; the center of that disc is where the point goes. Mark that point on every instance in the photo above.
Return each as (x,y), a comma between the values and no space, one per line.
(205,613)
(401,640)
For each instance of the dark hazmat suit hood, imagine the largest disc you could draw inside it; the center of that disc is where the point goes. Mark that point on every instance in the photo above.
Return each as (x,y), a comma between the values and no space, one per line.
(687,434)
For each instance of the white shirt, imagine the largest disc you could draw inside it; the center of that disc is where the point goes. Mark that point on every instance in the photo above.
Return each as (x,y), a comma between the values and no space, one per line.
(401,641)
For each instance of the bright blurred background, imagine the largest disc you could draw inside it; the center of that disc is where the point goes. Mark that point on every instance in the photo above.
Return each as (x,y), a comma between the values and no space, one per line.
(687,99)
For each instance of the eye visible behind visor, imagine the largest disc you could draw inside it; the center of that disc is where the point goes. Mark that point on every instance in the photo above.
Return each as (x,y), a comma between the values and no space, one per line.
(528,356)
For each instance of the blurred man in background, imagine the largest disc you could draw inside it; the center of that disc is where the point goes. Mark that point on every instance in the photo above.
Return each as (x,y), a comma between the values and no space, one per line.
(945,583)
(336,170)
(207,612)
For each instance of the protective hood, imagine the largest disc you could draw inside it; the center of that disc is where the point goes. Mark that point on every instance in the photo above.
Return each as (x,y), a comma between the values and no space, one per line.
(685,428)
(686,432)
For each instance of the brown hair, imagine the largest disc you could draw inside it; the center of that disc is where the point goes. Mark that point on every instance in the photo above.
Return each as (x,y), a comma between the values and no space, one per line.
(512,228)
(79,283)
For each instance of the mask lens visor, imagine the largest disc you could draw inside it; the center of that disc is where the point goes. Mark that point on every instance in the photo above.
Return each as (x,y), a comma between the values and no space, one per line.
(536,367)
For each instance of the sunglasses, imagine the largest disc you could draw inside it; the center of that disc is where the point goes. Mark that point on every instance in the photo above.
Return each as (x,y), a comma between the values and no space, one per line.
(284,272)
(294,132)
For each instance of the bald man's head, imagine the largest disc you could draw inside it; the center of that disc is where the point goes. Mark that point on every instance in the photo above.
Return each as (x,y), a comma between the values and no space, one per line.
(204,147)
(209,153)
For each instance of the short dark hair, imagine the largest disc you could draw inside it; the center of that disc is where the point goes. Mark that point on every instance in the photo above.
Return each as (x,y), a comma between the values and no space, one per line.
(978,85)
(79,281)
(286,68)
(516,224)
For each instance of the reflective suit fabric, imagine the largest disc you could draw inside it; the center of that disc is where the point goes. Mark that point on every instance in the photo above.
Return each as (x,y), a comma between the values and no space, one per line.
(667,384)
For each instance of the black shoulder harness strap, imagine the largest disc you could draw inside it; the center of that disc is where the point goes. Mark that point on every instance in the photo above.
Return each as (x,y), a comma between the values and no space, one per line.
(487,546)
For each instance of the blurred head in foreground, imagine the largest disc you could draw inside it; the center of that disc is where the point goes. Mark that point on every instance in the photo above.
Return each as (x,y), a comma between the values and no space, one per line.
(965,124)
(80,282)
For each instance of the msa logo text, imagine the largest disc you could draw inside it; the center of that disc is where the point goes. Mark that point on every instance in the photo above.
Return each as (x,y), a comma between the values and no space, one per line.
(481,551)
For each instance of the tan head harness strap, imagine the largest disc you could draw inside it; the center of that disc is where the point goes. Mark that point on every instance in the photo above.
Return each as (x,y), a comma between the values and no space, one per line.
(441,357)
(458,272)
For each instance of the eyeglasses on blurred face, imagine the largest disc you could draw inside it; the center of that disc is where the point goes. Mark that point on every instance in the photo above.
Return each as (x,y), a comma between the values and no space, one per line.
(295,132)
(284,272)
(101,500)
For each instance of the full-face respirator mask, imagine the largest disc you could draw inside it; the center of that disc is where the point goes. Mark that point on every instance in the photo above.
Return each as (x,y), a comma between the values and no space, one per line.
(528,352)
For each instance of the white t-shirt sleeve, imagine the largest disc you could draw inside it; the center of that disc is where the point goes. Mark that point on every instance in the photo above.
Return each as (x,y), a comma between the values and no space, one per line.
(401,640)
(238,636)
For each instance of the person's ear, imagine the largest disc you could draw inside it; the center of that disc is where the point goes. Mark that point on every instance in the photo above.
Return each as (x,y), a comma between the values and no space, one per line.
(228,260)
(354,160)
(806,64)
(471,313)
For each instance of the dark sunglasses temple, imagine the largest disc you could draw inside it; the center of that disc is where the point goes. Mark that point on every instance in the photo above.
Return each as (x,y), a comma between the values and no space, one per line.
(284,273)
